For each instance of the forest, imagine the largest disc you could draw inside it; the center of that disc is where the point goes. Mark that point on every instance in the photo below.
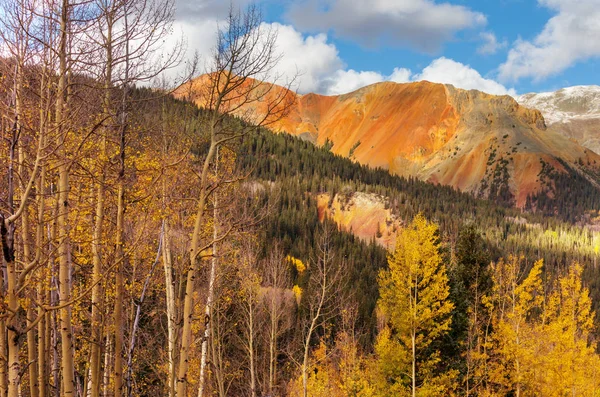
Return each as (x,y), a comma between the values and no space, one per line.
(151,247)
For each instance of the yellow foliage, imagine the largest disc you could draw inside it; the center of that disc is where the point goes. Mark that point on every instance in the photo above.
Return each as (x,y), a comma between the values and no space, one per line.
(339,372)
(414,300)
(298,264)
(540,345)
(297,293)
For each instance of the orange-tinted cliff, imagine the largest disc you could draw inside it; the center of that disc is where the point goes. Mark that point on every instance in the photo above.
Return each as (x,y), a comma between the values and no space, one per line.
(473,141)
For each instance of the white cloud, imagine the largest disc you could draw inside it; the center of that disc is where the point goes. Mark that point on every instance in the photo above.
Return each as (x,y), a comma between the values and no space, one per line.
(318,67)
(567,38)
(344,81)
(422,24)
(448,71)
(195,10)
(197,38)
(400,75)
(491,44)
(312,58)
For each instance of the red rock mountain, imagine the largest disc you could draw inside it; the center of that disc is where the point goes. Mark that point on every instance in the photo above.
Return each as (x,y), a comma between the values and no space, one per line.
(485,144)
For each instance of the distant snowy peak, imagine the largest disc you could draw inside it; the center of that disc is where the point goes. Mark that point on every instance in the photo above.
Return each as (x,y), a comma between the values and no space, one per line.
(578,102)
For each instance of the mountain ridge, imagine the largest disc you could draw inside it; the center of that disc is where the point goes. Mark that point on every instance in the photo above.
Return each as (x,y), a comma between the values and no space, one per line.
(480,143)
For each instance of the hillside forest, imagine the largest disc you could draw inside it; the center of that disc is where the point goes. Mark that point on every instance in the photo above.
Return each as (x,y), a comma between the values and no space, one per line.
(153,247)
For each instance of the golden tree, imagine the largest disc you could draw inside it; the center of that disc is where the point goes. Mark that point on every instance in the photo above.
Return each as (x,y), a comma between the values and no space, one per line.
(541,341)
(414,301)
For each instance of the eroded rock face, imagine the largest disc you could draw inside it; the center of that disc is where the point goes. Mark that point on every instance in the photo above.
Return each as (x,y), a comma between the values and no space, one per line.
(366,215)
(485,144)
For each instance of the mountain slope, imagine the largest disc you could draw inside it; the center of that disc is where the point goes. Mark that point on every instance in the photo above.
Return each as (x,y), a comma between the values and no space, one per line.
(572,111)
(484,144)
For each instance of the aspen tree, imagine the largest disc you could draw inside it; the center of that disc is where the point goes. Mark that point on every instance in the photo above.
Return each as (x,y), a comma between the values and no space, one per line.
(245,51)
(15,31)
(323,300)
(64,258)
(414,300)
(517,297)
(278,303)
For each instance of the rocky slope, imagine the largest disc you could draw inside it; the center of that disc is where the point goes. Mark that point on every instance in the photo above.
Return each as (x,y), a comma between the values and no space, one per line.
(365,215)
(572,111)
(485,144)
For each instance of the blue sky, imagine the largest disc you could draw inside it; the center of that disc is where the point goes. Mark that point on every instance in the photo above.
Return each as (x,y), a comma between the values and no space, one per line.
(499,46)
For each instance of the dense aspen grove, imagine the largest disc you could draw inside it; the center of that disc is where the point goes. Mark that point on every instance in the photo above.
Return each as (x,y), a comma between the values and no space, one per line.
(154,248)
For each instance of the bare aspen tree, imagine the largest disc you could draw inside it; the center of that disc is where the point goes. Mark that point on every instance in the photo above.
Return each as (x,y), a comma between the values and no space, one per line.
(245,51)
(15,31)
(129,39)
(211,287)
(66,331)
(109,15)
(323,299)
(167,259)
(250,314)
(278,302)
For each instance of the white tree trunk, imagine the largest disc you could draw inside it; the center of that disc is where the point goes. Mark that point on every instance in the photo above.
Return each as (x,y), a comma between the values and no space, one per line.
(211,291)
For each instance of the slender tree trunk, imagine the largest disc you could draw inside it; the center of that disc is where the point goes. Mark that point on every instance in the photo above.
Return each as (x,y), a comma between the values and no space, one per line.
(311,329)
(3,322)
(414,364)
(170,298)
(305,359)
(168,266)
(97,296)
(211,290)
(53,299)
(26,248)
(8,243)
(272,345)
(106,375)
(42,341)
(118,311)
(414,340)
(14,366)
(3,350)
(97,293)
(188,304)
(251,349)
(66,330)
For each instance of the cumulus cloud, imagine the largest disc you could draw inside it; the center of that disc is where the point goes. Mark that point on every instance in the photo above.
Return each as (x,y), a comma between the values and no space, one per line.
(344,81)
(195,10)
(448,71)
(490,45)
(317,66)
(422,24)
(312,59)
(322,71)
(567,38)
(315,63)
(400,75)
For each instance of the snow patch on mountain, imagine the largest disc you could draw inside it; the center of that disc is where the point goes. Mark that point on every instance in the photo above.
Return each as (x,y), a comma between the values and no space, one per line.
(564,105)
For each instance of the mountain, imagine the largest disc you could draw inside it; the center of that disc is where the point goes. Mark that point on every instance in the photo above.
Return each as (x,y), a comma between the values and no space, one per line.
(572,111)
(479,143)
